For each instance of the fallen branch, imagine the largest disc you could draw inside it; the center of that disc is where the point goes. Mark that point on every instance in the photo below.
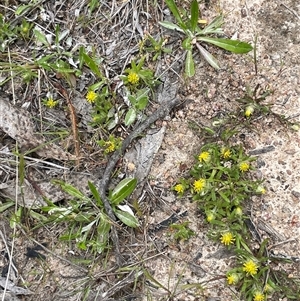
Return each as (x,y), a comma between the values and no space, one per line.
(161,112)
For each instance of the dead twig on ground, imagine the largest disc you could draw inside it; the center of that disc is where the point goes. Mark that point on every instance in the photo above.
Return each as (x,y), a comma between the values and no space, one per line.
(161,112)
(73,118)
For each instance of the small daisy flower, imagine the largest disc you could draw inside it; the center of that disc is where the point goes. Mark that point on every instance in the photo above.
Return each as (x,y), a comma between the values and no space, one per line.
(199,185)
(249,111)
(238,211)
(232,278)
(227,238)
(91,96)
(225,153)
(258,296)
(244,166)
(250,267)
(204,157)
(50,103)
(210,217)
(133,78)
(179,188)
(110,146)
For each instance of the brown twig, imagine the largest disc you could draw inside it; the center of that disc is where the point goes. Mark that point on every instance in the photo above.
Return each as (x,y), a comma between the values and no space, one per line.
(73,118)
(161,112)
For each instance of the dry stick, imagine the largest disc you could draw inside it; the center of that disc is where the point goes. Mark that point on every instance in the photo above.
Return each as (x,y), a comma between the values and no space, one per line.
(161,112)
(73,119)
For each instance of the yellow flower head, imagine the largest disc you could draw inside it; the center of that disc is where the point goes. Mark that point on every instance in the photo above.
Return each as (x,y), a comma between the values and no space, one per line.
(204,157)
(210,217)
(91,96)
(227,238)
(238,211)
(109,146)
(50,103)
(133,78)
(244,166)
(249,111)
(232,279)
(225,153)
(199,185)
(250,267)
(179,188)
(258,296)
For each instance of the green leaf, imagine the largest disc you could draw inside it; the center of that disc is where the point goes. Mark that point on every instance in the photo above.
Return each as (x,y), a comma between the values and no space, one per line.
(83,57)
(96,86)
(142,99)
(22,8)
(88,227)
(41,37)
(5,206)
(224,197)
(189,64)
(123,190)
(194,15)
(71,190)
(187,44)
(214,27)
(170,25)
(127,218)
(95,193)
(103,233)
(38,216)
(173,8)
(130,116)
(208,57)
(234,46)
(141,105)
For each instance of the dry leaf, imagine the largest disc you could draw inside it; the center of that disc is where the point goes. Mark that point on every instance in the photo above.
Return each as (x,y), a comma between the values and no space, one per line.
(17,123)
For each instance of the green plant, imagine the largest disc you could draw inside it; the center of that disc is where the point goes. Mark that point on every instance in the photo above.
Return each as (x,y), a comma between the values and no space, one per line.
(87,223)
(103,111)
(195,36)
(138,102)
(182,231)
(220,183)
(156,47)
(110,145)
(138,76)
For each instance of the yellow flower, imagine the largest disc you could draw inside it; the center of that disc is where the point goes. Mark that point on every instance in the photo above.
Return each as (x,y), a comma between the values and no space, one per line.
(238,211)
(249,111)
(227,238)
(109,146)
(232,278)
(199,185)
(210,217)
(204,156)
(91,96)
(133,78)
(250,267)
(225,153)
(244,166)
(258,296)
(179,188)
(50,103)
